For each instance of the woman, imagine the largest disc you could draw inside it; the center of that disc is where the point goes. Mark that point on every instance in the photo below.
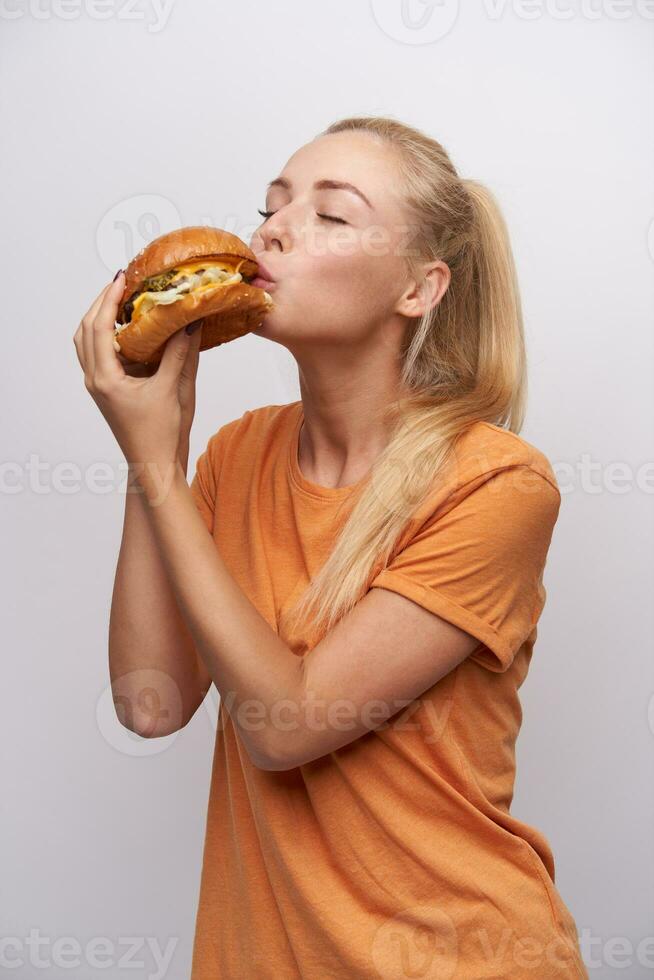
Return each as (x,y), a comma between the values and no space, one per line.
(367,597)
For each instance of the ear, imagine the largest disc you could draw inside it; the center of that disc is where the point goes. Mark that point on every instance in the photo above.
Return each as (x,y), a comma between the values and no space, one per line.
(426,294)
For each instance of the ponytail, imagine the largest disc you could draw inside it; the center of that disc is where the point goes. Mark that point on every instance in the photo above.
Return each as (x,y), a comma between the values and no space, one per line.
(462,361)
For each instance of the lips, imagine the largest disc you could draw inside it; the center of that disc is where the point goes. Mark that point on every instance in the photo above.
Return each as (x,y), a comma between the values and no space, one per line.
(264,273)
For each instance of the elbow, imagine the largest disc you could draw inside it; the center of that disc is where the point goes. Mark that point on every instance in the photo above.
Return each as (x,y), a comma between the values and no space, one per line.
(276,763)
(271,755)
(157,733)
(147,726)
(269,761)
(154,718)
(285,754)
(152,731)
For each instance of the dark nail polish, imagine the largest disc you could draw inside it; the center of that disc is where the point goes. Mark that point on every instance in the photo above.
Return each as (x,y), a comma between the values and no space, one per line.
(117,274)
(192,327)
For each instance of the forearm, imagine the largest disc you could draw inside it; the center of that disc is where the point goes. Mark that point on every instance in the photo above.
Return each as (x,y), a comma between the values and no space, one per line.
(153,663)
(255,672)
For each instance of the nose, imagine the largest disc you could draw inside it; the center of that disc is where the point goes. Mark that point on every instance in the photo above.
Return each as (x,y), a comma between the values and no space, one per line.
(274,239)
(263,242)
(262,246)
(278,232)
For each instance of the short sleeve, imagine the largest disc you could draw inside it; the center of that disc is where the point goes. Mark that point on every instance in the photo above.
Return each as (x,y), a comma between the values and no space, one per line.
(480,563)
(203,484)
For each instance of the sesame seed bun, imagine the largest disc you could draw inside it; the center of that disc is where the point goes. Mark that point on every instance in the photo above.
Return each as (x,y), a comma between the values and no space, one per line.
(228,310)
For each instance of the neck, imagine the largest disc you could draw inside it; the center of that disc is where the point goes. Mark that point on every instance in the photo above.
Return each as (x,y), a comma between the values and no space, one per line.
(344,429)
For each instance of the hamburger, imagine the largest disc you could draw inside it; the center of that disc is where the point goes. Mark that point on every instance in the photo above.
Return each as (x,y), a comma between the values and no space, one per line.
(192,273)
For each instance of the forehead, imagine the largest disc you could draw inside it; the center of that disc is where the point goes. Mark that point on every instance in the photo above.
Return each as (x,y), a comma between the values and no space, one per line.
(354,158)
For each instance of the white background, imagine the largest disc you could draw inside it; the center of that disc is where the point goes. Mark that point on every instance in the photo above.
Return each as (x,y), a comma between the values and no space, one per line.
(121,122)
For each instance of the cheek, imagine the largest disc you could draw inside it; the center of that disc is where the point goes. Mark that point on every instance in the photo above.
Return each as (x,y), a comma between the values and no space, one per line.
(346,276)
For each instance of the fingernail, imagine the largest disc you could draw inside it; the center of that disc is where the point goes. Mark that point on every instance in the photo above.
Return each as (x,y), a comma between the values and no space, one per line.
(117,274)
(192,327)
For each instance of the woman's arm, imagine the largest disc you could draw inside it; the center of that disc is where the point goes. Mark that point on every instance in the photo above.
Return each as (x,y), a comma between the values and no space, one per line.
(467,584)
(158,679)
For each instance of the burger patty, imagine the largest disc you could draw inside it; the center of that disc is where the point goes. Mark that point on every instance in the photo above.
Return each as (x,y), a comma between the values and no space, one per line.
(186,278)
(154,284)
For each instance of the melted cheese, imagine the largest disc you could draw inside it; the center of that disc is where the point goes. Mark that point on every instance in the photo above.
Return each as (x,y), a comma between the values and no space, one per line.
(190,267)
(186,280)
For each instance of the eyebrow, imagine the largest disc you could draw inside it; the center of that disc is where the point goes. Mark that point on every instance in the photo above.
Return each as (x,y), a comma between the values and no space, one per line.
(325,184)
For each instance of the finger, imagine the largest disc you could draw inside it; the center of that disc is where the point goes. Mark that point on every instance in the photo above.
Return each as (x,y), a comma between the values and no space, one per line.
(79,350)
(95,305)
(106,364)
(174,358)
(85,331)
(194,346)
(190,366)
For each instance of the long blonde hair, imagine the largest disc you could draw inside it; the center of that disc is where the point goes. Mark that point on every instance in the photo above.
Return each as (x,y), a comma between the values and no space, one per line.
(461,362)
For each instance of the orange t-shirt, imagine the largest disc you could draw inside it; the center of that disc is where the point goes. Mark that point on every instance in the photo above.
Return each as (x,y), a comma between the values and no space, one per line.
(396,855)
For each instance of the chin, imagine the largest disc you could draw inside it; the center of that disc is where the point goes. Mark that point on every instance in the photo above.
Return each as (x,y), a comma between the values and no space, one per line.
(269,328)
(279,332)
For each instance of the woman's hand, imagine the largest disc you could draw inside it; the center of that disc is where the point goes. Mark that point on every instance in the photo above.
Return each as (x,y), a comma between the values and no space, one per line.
(149,408)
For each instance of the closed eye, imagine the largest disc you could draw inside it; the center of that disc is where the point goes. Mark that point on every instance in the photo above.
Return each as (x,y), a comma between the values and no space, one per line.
(326,217)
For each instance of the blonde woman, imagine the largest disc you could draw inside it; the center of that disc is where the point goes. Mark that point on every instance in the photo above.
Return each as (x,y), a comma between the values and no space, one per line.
(360,574)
